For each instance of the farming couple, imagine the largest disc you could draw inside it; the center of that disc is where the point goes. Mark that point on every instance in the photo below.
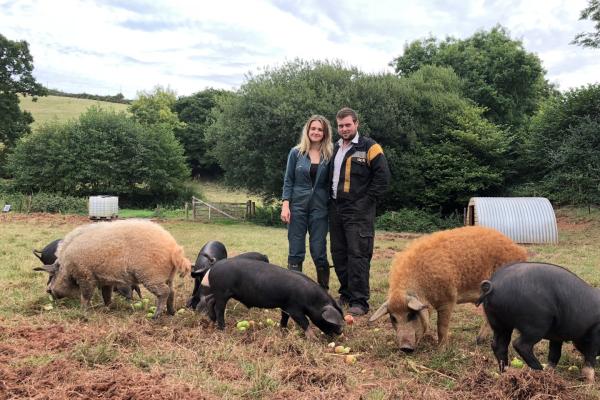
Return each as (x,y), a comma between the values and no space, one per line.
(335,187)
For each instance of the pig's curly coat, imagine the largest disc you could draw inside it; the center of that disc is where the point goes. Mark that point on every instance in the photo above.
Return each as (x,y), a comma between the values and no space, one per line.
(122,253)
(447,267)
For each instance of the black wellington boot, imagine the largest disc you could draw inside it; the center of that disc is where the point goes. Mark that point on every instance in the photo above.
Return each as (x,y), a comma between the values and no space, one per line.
(295,267)
(323,276)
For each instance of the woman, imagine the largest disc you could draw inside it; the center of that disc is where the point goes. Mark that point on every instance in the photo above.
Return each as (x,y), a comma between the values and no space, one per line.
(305,196)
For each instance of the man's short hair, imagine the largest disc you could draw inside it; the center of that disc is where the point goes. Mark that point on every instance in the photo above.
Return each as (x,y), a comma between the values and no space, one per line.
(347,112)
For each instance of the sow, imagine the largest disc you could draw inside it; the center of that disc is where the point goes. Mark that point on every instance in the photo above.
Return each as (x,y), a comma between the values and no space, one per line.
(542,301)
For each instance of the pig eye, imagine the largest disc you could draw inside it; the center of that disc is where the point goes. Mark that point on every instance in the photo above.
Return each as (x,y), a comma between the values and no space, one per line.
(393,319)
(411,316)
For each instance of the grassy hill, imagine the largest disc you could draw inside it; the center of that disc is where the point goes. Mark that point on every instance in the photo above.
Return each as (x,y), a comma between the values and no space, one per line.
(50,108)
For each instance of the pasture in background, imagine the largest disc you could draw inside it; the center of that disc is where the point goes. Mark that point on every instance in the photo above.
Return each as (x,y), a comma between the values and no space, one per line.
(59,108)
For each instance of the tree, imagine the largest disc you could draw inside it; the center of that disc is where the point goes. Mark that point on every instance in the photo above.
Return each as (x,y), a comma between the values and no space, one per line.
(564,147)
(156,107)
(16,67)
(498,73)
(196,112)
(254,130)
(440,149)
(590,39)
(101,153)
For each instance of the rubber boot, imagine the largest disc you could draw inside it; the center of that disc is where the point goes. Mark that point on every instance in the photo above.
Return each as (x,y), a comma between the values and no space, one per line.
(323,276)
(295,267)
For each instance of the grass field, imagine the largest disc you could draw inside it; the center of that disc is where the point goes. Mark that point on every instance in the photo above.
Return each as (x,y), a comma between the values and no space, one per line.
(51,108)
(55,350)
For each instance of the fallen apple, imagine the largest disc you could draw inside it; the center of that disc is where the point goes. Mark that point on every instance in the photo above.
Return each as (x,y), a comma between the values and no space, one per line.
(270,322)
(181,311)
(150,315)
(350,359)
(349,319)
(152,309)
(241,328)
(573,368)
(48,307)
(145,300)
(339,349)
(243,324)
(251,324)
(332,345)
(516,363)
(346,350)
(138,305)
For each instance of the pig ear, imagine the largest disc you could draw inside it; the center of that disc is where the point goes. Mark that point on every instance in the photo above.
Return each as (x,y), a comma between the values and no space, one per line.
(414,304)
(38,254)
(424,316)
(51,269)
(381,311)
(331,315)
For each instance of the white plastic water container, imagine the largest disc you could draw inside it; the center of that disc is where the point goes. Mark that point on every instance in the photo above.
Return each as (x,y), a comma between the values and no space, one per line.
(103,207)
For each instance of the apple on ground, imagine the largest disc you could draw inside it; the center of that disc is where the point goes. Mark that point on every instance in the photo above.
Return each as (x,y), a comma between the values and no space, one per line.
(516,363)
(349,319)
(350,359)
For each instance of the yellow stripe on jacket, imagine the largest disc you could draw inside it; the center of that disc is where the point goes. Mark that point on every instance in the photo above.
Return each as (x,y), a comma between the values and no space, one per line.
(374,151)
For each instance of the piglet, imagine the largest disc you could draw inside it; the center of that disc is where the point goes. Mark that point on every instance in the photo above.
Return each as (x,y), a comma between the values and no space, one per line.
(259,284)
(542,301)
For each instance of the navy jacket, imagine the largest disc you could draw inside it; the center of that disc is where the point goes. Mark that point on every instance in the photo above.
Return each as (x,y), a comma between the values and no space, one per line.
(297,186)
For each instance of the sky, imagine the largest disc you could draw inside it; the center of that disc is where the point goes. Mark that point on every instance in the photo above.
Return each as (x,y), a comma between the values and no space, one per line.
(131,46)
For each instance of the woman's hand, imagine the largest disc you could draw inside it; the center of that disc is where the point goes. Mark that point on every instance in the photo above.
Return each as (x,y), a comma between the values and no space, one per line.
(285,212)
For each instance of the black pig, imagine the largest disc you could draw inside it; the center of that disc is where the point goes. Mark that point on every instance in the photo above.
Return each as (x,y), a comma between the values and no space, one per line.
(259,284)
(48,256)
(203,294)
(209,254)
(542,301)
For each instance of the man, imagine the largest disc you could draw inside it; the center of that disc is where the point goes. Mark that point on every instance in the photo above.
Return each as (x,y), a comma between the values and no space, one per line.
(359,175)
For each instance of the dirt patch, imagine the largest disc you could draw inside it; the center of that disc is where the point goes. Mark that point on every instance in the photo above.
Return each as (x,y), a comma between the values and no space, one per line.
(398,235)
(63,379)
(517,384)
(383,254)
(567,224)
(26,340)
(46,218)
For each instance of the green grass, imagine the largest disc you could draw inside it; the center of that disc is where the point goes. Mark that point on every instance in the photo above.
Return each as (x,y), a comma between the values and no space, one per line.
(57,108)
(262,362)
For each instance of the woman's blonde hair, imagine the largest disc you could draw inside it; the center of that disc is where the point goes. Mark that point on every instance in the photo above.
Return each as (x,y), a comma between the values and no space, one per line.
(326,144)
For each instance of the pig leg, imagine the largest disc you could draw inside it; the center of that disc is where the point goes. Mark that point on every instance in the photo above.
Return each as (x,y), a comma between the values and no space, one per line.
(589,349)
(220,311)
(193,301)
(210,308)
(284,319)
(500,347)
(161,291)
(554,353)
(107,295)
(87,291)
(443,322)
(524,346)
(299,318)
(170,308)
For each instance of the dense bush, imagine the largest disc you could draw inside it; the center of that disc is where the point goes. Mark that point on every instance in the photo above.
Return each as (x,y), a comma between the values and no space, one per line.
(103,152)
(44,202)
(268,215)
(409,220)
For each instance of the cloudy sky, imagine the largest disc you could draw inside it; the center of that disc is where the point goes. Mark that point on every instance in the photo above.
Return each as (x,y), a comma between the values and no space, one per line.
(111,46)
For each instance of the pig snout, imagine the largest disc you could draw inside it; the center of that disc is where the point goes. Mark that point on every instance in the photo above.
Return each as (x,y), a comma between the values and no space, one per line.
(407,340)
